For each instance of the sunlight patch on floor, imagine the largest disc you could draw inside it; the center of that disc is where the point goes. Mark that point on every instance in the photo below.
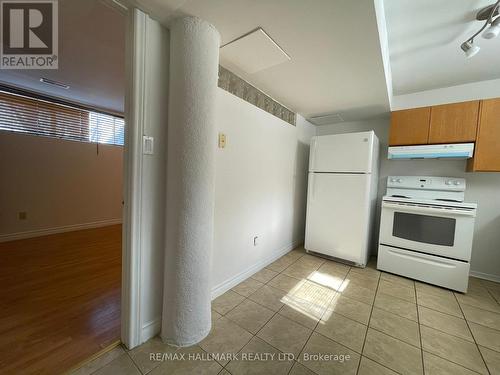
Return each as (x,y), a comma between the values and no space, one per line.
(312,296)
(329,281)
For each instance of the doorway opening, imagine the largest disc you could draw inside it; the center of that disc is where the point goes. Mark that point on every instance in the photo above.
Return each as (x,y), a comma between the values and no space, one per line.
(61,197)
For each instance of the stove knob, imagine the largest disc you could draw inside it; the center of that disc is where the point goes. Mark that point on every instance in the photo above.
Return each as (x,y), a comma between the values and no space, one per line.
(399,180)
(448,182)
(456,183)
(393,180)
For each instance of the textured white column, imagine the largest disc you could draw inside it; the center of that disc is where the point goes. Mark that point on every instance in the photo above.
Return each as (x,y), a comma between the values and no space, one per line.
(194,61)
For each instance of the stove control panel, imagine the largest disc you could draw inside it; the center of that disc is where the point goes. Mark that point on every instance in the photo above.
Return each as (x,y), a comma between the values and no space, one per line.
(426,188)
(426,183)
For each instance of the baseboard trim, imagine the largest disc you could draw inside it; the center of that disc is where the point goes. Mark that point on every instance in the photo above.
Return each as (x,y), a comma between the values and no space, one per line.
(150,329)
(235,280)
(153,327)
(485,276)
(55,230)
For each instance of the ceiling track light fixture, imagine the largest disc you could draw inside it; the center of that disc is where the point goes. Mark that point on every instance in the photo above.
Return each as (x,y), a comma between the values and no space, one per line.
(491,16)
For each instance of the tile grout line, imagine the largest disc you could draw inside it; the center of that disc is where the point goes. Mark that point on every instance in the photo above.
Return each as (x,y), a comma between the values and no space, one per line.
(420,336)
(449,334)
(295,261)
(135,364)
(330,300)
(275,313)
(446,313)
(489,292)
(253,336)
(251,333)
(397,338)
(312,330)
(455,363)
(488,327)
(476,307)
(246,298)
(263,283)
(368,325)
(472,334)
(419,329)
(316,325)
(329,338)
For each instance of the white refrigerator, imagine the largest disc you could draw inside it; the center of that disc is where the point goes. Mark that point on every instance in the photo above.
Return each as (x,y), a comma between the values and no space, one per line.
(341,196)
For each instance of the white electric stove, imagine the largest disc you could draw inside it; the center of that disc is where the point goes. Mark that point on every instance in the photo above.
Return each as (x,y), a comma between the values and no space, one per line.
(426,230)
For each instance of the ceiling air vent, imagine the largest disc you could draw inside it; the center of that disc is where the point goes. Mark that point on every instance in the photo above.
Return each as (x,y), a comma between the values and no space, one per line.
(333,118)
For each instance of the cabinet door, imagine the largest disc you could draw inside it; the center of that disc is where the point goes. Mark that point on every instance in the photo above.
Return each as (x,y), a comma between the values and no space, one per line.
(410,127)
(487,152)
(454,123)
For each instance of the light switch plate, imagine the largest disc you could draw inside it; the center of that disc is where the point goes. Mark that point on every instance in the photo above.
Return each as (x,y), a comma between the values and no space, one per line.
(147,145)
(222,140)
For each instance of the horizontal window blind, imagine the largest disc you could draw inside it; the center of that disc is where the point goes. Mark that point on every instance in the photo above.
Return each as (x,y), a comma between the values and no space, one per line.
(106,129)
(33,116)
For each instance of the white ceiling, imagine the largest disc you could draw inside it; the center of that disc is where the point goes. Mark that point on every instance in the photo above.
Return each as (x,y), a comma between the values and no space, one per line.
(336,63)
(336,60)
(424,43)
(91,57)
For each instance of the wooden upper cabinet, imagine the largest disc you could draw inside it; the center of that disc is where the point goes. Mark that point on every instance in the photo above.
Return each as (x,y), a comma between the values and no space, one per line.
(487,152)
(410,127)
(454,123)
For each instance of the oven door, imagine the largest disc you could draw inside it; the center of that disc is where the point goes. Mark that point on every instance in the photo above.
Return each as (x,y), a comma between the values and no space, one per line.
(443,231)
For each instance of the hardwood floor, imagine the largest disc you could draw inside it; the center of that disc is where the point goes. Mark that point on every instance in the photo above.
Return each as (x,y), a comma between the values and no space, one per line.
(59,299)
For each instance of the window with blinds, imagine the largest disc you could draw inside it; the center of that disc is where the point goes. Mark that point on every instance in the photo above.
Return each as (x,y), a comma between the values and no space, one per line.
(27,115)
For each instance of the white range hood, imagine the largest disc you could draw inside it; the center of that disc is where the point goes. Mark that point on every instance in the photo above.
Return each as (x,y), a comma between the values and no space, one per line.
(448,151)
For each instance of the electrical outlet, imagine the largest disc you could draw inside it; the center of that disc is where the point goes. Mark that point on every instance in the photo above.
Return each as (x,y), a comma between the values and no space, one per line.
(22,215)
(255,240)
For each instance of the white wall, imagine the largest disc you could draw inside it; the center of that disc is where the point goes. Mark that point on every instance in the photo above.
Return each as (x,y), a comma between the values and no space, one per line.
(482,188)
(455,94)
(58,183)
(261,182)
(260,189)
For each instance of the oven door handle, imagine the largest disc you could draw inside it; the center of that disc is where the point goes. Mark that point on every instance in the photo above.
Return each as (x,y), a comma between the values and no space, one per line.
(430,210)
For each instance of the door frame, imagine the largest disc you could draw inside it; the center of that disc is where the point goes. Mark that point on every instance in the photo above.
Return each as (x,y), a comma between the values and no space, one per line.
(132,167)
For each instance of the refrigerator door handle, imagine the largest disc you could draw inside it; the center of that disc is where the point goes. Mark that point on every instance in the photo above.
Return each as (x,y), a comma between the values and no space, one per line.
(311,187)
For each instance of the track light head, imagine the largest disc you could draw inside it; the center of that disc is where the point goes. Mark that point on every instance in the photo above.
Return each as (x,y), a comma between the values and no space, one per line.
(470,49)
(493,30)
(491,25)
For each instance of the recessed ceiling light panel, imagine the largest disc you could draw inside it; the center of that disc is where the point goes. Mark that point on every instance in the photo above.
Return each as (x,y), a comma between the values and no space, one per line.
(253,52)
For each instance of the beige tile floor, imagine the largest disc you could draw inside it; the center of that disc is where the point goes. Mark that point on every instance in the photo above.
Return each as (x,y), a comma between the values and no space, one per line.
(365,322)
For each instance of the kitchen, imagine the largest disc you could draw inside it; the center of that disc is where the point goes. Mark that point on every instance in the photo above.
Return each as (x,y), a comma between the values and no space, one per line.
(311,184)
(481,187)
